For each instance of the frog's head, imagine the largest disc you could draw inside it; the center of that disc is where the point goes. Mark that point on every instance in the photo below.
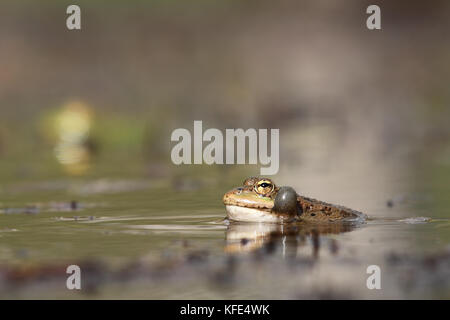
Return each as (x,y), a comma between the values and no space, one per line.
(260,200)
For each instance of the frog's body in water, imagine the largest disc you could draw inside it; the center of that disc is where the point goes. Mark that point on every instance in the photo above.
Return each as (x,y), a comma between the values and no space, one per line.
(260,200)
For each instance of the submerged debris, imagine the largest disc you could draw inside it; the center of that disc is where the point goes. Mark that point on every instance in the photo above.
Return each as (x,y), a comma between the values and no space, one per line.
(74,205)
(56,206)
(406,199)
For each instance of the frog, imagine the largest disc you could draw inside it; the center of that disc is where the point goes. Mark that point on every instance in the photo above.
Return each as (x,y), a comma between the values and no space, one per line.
(259,199)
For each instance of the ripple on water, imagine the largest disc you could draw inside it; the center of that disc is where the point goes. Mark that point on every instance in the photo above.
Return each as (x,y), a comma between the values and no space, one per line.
(179,227)
(416,220)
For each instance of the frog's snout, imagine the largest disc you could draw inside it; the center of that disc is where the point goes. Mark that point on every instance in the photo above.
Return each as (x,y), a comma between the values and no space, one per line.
(286,201)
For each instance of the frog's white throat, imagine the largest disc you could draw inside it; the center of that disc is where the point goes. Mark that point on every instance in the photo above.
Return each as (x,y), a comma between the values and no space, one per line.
(237,213)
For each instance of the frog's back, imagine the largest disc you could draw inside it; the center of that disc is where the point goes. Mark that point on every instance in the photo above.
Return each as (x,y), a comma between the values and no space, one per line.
(313,210)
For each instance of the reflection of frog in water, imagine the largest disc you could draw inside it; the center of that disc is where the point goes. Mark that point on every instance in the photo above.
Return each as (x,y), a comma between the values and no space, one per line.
(260,200)
(246,237)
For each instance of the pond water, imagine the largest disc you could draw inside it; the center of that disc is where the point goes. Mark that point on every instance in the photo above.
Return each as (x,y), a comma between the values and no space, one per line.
(159,238)
(87,179)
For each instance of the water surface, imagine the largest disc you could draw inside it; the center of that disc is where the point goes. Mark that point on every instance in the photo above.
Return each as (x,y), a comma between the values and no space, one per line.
(141,238)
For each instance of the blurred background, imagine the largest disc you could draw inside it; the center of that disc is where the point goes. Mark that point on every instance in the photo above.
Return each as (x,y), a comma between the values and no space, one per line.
(364,116)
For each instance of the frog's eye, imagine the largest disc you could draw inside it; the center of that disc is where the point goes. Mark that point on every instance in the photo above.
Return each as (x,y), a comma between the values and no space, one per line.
(264,187)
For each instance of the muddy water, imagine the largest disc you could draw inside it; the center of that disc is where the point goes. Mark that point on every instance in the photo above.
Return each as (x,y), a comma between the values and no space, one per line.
(148,238)
(160,233)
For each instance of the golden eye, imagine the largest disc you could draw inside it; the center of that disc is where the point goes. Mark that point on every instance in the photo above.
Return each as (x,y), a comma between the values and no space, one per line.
(264,187)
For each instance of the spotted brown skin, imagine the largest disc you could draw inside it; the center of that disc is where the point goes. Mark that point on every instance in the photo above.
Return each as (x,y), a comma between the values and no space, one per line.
(260,200)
